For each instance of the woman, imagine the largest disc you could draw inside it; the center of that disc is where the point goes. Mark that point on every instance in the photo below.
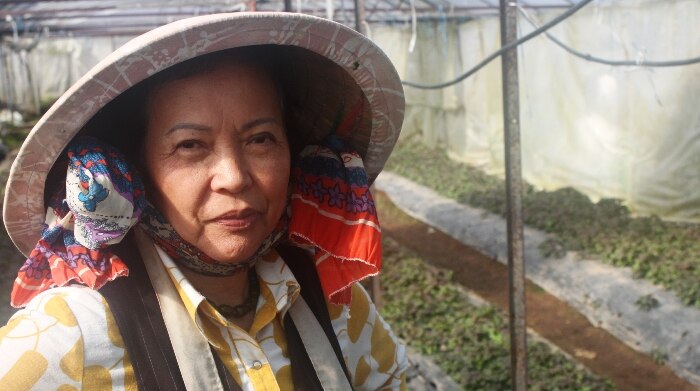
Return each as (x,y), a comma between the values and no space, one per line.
(206,216)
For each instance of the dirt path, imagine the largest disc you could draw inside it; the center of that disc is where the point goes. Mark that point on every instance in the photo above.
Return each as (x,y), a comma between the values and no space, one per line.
(594,347)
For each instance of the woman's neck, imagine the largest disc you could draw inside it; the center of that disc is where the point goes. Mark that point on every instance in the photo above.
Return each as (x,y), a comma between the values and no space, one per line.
(230,290)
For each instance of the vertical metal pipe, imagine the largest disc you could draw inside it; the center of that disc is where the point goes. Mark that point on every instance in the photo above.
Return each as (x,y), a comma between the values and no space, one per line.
(251,5)
(360,16)
(8,60)
(287,5)
(516,269)
(359,20)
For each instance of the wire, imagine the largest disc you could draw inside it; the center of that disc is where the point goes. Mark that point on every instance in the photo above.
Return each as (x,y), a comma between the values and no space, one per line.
(503,49)
(588,57)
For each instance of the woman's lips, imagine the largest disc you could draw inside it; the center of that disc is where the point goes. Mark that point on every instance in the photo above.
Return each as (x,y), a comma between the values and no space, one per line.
(238,220)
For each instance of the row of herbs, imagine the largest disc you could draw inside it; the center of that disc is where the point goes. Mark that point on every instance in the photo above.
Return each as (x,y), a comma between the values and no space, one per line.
(663,252)
(470,343)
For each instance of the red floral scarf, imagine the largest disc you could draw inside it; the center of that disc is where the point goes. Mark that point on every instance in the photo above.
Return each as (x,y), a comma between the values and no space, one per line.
(333,212)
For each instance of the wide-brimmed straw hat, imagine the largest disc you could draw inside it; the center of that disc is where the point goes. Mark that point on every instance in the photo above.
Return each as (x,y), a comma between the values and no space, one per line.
(334,68)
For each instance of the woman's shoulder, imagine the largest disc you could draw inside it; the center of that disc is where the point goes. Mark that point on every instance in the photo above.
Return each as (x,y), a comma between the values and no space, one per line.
(70,306)
(373,353)
(358,318)
(61,305)
(61,333)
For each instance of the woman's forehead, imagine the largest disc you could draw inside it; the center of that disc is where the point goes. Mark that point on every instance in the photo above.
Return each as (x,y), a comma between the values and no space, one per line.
(261,58)
(241,71)
(232,91)
(225,75)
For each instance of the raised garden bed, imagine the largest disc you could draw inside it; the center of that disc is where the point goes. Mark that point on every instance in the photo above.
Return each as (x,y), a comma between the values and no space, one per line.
(433,314)
(663,252)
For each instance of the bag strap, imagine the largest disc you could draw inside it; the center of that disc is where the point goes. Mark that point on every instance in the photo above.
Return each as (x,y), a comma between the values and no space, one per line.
(329,372)
(196,361)
(135,308)
(137,312)
(316,312)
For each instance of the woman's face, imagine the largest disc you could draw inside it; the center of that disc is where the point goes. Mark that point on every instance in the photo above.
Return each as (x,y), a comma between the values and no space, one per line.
(218,160)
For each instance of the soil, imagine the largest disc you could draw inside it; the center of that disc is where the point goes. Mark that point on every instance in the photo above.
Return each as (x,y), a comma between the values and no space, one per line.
(550,317)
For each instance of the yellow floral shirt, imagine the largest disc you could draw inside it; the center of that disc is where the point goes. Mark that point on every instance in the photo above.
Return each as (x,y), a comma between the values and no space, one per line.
(67,339)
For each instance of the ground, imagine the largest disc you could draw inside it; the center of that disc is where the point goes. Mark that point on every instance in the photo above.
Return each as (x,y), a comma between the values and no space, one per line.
(549,317)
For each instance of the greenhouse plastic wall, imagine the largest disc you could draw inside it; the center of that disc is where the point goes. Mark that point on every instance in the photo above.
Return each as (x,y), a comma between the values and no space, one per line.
(628,132)
(55,64)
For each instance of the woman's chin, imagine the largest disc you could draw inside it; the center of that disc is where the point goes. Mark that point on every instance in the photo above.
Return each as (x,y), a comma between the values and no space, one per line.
(232,258)
(232,253)
(225,246)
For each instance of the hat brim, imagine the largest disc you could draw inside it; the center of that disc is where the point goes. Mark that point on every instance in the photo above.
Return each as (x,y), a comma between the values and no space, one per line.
(360,60)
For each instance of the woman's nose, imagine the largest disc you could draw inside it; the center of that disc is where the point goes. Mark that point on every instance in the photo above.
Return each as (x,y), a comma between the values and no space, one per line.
(230,173)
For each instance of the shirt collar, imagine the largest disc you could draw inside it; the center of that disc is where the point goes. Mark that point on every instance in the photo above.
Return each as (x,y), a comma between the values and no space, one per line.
(278,291)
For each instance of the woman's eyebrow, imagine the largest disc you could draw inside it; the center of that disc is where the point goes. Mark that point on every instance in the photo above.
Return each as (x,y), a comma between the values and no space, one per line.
(188,126)
(257,122)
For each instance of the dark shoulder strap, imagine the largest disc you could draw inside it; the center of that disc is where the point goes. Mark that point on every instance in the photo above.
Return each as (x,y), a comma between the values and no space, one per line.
(304,270)
(135,307)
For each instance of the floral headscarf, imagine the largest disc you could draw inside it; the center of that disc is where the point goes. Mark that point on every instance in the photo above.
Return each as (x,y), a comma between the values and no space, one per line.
(331,213)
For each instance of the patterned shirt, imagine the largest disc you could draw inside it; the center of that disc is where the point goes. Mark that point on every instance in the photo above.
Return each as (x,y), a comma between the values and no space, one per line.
(67,339)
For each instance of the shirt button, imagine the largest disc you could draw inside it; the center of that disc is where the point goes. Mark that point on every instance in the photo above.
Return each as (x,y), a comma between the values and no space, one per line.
(257,364)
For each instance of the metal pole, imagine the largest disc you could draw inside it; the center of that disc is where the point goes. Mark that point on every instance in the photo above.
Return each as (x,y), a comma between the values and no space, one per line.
(360,16)
(287,5)
(516,269)
(359,27)
(251,5)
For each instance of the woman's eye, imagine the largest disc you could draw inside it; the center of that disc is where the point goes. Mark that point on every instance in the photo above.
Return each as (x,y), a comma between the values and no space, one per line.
(190,147)
(189,144)
(261,138)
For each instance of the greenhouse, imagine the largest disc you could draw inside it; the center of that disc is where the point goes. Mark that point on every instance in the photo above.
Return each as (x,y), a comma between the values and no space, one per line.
(540,211)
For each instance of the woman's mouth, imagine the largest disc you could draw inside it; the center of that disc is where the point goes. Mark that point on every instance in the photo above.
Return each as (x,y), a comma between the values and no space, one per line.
(238,220)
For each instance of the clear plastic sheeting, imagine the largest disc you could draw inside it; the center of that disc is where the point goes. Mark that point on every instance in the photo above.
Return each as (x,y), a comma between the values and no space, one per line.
(53,66)
(628,132)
